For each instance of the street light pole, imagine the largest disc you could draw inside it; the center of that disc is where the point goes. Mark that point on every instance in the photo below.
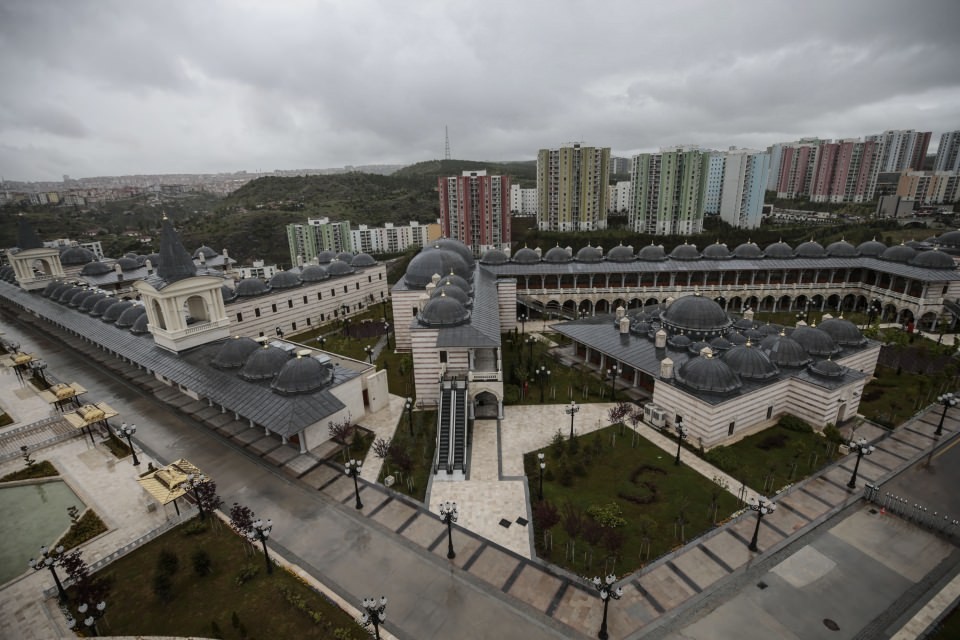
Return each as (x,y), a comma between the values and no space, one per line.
(542,374)
(523,324)
(613,372)
(530,342)
(352,469)
(449,515)
(408,405)
(571,411)
(862,449)
(763,507)
(50,559)
(96,612)
(607,593)
(681,436)
(947,400)
(543,465)
(386,328)
(127,432)
(369,351)
(260,530)
(373,614)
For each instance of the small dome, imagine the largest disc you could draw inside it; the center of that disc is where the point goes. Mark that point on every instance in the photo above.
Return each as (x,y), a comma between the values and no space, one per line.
(717,251)
(454,279)
(59,288)
(228,294)
(428,262)
(754,334)
(303,375)
(871,248)
(619,253)
(47,290)
(141,259)
(816,341)
(707,374)
(770,329)
(933,259)
(452,291)
(949,239)
(128,264)
(141,323)
(842,249)
(696,347)
(130,254)
(443,311)
(98,309)
(76,255)
(75,295)
(679,341)
(285,280)
(89,301)
(735,338)
(589,254)
(720,344)
(363,260)
(114,311)
(345,256)
(325,257)
(129,316)
(785,352)
(640,327)
(748,251)
(154,259)
(652,253)
(204,251)
(810,249)
(898,253)
(843,332)
(557,255)
(696,313)
(526,256)
(313,273)
(264,363)
(743,324)
(779,251)
(827,368)
(462,250)
(918,245)
(750,362)
(685,251)
(494,256)
(95,268)
(234,352)
(339,268)
(249,287)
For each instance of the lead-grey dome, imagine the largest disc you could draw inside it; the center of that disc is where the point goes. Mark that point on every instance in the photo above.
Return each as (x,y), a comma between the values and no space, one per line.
(339,268)
(589,254)
(47,290)
(303,374)
(264,363)
(827,368)
(720,344)
(87,305)
(74,295)
(459,248)
(454,279)
(842,249)
(345,256)
(685,251)
(141,323)
(285,280)
(933,259)
(101,306)
(695,314)
(717,251)
(679,341)
(250,287)
(750,362)
(652,253)
(59,288)
(443,311)
(785,352)
(76,255)
(621,253)
(778,251)
(228,294)
(526,256)
(871,248)
(707,374)
(431,261)
(748,251)
(363,260)
(735,337)
(313,273)
(114,311)
(326,256)
(128,264)
(557,255)
(453,291)
(205,251)
(810,249)
(950,239)
(815,341)
(843,332)
(898,253)
(494,256)
(95,268)
(233,353)
(129,316)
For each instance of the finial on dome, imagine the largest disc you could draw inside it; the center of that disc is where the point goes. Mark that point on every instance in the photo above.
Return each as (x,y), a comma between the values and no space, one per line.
(748,343)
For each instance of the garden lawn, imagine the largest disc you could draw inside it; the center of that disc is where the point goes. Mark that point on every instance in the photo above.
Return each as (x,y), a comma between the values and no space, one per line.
(420,449)
(649,490)
(203,606)
(565,383)
(40,469)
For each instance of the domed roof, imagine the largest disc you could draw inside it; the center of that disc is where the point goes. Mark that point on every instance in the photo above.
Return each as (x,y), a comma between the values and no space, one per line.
(363,260)
(720,344)
(695,313)
(589,254)
(748,251)
(494,256)
(432,261)
(696,347)
(457,247)
(815,341)
(251,287)
(898,253)
(285,280)
(750,362)
(111,314)
(204,251)
(949,239)
(98,309)
(454,279)
(76,255)
(785,352)
(303,374)
(313,273)
(778,251)
(707,374)
(443,311)
(59,288)
(154,259)
(770,329)
(128,264)
(526,256)
(89,301)
(95,268)
(228,294)
(129,316)
(141,324)
(325,256)
(233,353)
(754,334)
(735,337)
(842,249)
(871,248)
(75,295)
(47,290)
(620,253)
(453,291)
(810,249)
(917,244)
(141,259)
(933,259)
(827,368)
(679,341)
(557,255)
(743,324)
(130,254)
(640,327)
(339,268)
(652,253)
(264,363)
(717,251)
(842,331)
(685,251)
(345,256)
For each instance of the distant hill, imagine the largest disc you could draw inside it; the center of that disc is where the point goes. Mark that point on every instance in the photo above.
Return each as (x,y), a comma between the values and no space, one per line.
(523,172)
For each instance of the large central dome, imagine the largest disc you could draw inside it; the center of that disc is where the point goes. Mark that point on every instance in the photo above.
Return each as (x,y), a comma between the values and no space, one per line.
(696,316)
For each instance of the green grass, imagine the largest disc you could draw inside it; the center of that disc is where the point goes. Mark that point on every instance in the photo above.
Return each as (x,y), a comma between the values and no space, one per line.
(420,448)
(644,483)
(41,469)
(520,362)
(5,419)
(87,527)
(889,398)
(117,447)
(200,602)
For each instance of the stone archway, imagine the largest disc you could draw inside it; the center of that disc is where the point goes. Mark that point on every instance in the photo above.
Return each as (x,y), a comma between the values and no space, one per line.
(486,406)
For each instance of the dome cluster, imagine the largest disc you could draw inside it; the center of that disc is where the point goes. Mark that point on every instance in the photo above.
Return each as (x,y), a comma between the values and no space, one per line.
(330,266)
(96,303)
(445,271)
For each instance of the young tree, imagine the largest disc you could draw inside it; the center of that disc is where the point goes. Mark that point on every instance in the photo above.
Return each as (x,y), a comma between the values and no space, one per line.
(618,412)
(572,521)
(545,515)
(341,431)
(89,589)
(207,498)
(241,521)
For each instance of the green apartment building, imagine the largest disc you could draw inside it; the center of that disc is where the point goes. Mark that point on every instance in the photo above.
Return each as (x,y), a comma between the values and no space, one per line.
(668,191)
(306,241)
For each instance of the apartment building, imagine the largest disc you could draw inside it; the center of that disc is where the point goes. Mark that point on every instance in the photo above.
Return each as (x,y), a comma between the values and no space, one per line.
(572,188)
(745,176)
(475,209)
(668,191)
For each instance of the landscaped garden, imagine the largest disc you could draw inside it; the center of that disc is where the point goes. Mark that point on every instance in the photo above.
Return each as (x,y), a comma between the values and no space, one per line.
(408,458)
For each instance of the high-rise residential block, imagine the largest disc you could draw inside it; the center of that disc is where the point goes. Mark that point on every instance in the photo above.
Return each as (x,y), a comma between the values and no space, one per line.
(572,188)
(744,183)
(475,209)
(619,166)
(902,149)
(523,202)
(714,188)
(948,152)
(668,191)
(846,171)
(319,234)
(930,187)
(797,165)
(390,238)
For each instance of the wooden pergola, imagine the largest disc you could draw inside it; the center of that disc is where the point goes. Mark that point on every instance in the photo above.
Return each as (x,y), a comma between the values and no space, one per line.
(90,414)
(168,483)
(62,394)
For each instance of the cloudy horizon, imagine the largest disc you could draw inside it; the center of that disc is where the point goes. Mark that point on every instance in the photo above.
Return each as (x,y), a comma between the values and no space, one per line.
(115,87)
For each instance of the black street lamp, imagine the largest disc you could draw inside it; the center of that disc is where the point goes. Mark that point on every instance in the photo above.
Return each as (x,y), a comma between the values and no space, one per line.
(543,465)
(260,530)
(523,323)
(571,411)
(763,507)
(369,351)
(386,329)
(279,332)
(607,593)
(408,406)
(681,436)
(127,431)
(96,612)
(322,341)
(373,614)
(530,342)
(804,315)
(352,469)
(50,559)
(613,372)
(543,374)
(862,449)
(875,309)
(947,400)
(449,515)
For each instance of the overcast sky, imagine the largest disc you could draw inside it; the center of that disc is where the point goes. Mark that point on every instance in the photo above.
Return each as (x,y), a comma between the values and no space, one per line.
(99,87)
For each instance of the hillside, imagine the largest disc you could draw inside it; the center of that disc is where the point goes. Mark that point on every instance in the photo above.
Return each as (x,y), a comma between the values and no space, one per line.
(523,173)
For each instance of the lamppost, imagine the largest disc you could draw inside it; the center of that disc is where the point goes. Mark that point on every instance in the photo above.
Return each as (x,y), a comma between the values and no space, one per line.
(607,593)
(50,559)
(193,481)
(127,431)
(322,341)
(373,614)
(408,406)
(763,507)
(369,351)
(260,530)
(862,449)
(352,469)
(449,515)
(947,400)
(96,612)
(386,329)
(279,332)
(523,323)
(542,375)
(572,411)
(543,465)
(875,308)
(530,342)
(681,436)
(613,372)
(805,314)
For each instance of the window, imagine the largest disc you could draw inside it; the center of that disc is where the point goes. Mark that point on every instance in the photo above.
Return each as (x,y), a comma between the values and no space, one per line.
(769,412)
(261,334)
(239,317)
(274,305)
(414,312)
(333,292)
(443,357)
(319,296)
(344,288)
(289,304)
(308,322)
(256,312)
(293,326)
(322,317)
(730,429)
(369,279)
(357,284)
(304,299)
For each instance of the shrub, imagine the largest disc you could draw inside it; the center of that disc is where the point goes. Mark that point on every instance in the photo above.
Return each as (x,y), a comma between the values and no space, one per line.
(88,526)
(195,527)
(247,574)
(566,475)
(793,423)
(608,516)
(42,469)
(163,587)
(201,562)
(773,441)
(833,434)
(573,445)
(167,562)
